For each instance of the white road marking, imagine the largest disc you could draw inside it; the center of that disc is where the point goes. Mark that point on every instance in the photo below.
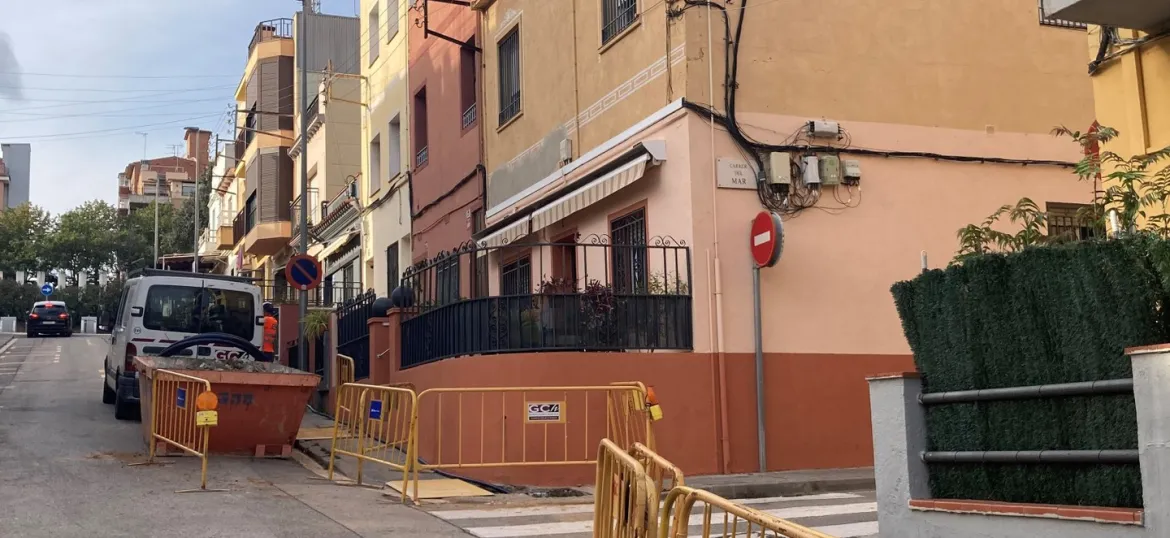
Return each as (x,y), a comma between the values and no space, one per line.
(851,530)
(525,511)
(8,346)
(571,527)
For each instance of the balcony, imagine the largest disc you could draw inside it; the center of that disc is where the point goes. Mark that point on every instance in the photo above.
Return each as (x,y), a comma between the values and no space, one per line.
(422,157)
(279,292)
(313,217)
(469,116)
(269,31)
(239,227)
(1144,15)
(590,296)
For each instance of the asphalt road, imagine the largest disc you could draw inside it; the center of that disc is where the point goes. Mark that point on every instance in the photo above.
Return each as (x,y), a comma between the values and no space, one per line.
(64,472)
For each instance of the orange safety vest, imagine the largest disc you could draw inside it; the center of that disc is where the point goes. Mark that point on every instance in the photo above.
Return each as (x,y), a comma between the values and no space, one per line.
(269,334)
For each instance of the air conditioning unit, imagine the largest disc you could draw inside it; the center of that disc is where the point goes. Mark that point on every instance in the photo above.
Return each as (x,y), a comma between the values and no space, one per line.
(566,151)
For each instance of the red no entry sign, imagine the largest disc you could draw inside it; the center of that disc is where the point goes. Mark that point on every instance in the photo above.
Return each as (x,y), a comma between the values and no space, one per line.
(767,238)
(303,272)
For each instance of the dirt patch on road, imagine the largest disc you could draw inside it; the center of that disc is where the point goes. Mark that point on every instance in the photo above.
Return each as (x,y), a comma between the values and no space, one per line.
(124,457)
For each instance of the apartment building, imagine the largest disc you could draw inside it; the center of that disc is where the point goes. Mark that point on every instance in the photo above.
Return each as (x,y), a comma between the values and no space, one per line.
(15,175)
(384,189)
(333,157)
(217,240)
(1129,65)
(446,143)
(264,174)
(628,145)
(164,179)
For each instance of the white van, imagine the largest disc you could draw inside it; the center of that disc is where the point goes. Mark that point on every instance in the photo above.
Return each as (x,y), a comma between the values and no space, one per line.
(159,308)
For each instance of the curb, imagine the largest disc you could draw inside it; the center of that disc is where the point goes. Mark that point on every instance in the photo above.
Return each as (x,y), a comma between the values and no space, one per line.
(786,489)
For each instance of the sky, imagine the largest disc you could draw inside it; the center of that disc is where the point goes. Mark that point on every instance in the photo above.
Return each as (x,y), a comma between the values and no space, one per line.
(79,79)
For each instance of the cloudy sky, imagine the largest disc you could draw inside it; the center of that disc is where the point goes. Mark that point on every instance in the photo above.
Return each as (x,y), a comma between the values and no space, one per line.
(78,79)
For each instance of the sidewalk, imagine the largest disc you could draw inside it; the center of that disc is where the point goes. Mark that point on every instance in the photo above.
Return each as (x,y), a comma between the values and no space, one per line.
(732,486)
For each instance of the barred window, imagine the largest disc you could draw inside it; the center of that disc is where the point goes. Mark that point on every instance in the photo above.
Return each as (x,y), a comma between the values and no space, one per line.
(516,277)
(616,16)
(1068,222)
(509,58)
(1061,23)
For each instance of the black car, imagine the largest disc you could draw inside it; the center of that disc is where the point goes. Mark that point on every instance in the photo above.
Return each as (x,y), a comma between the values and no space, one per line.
(49,317)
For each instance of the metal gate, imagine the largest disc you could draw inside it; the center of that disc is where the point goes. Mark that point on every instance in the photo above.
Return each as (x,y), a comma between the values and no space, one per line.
(353,334)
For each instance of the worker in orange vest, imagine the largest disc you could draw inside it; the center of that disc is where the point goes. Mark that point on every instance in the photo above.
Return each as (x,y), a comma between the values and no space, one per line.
(270,323)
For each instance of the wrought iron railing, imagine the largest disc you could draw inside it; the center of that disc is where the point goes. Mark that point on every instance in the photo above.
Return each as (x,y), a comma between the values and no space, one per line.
(353,331)
(1061,23)
(572,296)
(239,227)
(619,15)
(313,108)
(326,295)
(469,116)
(421,157)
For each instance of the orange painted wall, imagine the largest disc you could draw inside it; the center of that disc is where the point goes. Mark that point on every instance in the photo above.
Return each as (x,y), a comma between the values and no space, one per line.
(817,409)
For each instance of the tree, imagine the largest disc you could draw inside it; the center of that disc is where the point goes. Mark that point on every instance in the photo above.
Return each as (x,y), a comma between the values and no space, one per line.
(134,244)
(1134,190)
(24,235)
(84,239)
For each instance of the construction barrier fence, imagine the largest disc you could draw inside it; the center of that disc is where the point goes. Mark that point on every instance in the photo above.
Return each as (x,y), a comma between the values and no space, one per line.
(375,424)
(462,428)
(720,517)
(174,417)
(625,499)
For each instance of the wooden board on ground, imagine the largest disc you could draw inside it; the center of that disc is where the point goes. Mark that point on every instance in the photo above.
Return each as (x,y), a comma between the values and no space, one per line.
(441,488)
(319,434)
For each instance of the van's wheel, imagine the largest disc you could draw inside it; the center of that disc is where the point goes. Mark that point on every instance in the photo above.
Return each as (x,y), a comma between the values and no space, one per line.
(108,394)
(123,410)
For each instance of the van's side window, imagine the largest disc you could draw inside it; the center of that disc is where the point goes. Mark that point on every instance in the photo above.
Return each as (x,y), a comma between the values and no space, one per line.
(121,308)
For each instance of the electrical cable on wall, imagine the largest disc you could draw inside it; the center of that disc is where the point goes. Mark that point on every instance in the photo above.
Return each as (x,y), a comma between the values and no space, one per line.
(793,197)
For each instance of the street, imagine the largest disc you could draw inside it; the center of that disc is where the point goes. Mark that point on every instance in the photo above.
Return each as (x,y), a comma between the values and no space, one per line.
(64,469)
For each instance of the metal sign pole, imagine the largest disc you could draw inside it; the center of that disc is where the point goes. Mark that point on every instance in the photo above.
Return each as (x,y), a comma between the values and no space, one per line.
(758,317)
(303,59)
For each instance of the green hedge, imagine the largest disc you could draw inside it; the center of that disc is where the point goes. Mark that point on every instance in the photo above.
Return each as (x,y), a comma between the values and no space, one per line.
(1055,314)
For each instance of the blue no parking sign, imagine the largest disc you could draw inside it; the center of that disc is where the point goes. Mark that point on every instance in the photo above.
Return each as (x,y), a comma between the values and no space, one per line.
(303,272)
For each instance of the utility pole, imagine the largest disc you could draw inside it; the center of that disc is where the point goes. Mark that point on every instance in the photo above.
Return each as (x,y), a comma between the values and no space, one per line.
(195,256)
(303,60)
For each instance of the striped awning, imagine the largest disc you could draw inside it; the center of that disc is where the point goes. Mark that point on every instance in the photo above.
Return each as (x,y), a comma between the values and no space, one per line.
(590,193)
(507,234)
(335,245)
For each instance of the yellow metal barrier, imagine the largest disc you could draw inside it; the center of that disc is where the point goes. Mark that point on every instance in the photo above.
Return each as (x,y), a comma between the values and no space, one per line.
(379,427)
(734,519)
(525,426)
(173,417)
(661,471)
(345,369)
(625,499)
(628,410)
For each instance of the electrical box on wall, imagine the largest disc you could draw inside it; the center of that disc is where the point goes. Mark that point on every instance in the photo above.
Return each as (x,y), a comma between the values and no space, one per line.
(830,168)
(824,129)
(852,171)
(779,168)
(812,174)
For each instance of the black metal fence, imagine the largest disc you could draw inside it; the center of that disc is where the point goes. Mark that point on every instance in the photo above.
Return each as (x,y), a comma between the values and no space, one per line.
(574,295)
(334,294)
(353,333)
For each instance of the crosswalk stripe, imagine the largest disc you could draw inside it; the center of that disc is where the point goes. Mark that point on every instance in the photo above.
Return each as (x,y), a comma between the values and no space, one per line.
(570,527)
(851,530)
(564,509)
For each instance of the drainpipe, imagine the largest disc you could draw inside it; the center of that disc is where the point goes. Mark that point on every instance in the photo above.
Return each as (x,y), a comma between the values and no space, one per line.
(724,442)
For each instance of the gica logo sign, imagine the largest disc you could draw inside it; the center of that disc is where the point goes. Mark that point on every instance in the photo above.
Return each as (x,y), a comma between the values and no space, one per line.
(544,411)
(224,354)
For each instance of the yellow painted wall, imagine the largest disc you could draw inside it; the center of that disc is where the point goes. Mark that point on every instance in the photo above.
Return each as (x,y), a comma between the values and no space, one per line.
(1132,95)
(959,64)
